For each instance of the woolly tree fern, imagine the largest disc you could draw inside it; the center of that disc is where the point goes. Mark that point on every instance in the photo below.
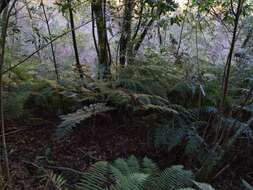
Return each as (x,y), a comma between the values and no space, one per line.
(132,175)
(71,120)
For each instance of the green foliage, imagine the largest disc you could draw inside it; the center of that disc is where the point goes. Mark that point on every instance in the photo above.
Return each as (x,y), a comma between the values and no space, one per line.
(129,175)
(71,120)
(176,99)
(56,181)
(227,8)
(149,78)
(14,103)
(179,133)
(149,88)
(45,97)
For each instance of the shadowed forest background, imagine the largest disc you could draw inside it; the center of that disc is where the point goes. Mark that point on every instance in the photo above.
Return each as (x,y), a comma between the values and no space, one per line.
(126,94)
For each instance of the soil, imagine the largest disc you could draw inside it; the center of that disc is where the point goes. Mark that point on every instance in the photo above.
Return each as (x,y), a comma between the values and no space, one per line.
(33,146)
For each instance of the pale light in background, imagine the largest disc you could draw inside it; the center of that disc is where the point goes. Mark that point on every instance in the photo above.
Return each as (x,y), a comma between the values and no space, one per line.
(181,3)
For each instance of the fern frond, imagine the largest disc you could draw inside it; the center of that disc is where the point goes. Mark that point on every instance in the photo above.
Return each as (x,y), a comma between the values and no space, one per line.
(160,109)
(71,120)
(194,143)
(55,180)
(203,186)
(247,185)
(128,175)
(122,165)
(169,137)
(171,178)
(148,166)
(98,177)
(133,164)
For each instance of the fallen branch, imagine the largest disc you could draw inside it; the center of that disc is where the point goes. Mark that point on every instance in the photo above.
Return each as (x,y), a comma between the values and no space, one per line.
(16,131)
(52,167)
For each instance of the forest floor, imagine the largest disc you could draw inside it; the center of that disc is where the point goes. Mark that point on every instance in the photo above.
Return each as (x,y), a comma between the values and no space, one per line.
(33,146)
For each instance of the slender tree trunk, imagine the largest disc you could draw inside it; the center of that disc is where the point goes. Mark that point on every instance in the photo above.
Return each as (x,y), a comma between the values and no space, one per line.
(181,30)
(159,35)
(227,68)
(98,8)
(93,30)
(139,20)
(248,38)
(72,25)
(33,28)
(143,35)
(51,44)
(136,31)
(5,20)
(144,32)
(106,36)
(125,31)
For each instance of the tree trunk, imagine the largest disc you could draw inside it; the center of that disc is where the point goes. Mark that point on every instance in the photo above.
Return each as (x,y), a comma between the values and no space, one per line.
(5,20)
(159,35)
(36,46)
(93,30)
(51,43)
(182,29)
(72,25)
(98,8)
(143,35)
(125,31)
(227,68)
(144,32)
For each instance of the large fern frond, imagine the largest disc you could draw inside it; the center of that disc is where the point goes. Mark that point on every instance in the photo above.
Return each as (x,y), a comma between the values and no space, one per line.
(171,178)
(71,120)
(130,175)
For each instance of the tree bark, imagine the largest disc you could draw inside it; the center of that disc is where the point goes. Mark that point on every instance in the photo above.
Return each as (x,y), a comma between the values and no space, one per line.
(225,81)
(51,43)
(36,46)
(72,25)
(93,30)
(5,21)
(125,31)
(98,9)
(143,35)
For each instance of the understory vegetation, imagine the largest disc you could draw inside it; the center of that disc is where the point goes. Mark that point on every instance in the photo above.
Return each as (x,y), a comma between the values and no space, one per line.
(126,94)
